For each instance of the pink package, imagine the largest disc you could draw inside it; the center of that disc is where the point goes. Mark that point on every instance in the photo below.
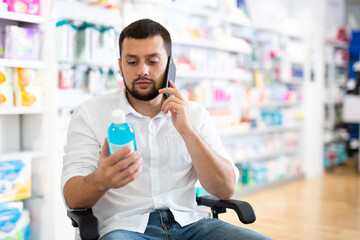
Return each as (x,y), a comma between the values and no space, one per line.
(24,6)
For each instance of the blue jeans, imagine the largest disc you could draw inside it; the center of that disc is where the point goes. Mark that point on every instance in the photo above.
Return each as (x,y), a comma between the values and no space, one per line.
(162,225)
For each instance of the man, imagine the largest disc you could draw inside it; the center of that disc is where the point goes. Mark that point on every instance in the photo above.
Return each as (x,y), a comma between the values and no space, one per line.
(151,193)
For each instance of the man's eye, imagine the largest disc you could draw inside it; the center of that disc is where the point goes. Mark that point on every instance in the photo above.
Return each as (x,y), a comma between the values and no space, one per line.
(131,63)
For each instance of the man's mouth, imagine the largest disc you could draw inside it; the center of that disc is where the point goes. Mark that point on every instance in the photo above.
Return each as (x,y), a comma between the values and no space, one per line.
(143,83)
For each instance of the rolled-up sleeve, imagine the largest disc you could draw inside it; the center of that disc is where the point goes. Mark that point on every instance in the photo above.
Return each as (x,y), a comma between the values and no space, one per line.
(82,149)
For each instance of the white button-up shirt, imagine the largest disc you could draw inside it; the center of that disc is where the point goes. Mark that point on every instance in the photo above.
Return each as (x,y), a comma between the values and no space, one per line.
(168,177)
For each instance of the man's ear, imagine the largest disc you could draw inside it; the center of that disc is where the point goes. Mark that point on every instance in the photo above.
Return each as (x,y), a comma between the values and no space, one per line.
(120,68)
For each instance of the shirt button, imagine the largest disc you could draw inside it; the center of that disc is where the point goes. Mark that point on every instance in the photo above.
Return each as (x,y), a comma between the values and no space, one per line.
(152,129)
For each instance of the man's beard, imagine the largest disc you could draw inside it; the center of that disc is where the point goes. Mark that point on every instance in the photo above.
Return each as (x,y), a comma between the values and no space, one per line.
(154,92)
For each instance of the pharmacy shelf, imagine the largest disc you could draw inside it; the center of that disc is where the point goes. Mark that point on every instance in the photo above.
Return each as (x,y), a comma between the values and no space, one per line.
(253,105)
(114,65)
(211,45)
(293,81)
(273,129)
(22,110)
(275,105)
(22,63)
(277,29)
(206,75)
(338,44)
(338,65)
(83,12)
(33,196)
(266,156)
(15,155)
(20,17)
(227,76)
(333,103)
(213,14)
(249,190)
(235,20)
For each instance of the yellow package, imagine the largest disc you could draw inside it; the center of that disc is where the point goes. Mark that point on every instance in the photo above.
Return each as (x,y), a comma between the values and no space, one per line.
(6,89)
(28,89)
(15,179)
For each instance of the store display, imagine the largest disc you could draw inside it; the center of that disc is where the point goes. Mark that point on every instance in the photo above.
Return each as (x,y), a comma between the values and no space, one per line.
(17,224)
(21,43)
(65,40)
(336,73)
(20,87)
(3,7)
(15,179)
(2,43)
(6,89)
(21,116)
(24,6)
(28,90)
(271,170)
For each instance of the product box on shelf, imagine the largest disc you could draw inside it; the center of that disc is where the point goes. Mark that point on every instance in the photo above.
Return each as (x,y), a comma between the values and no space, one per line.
(3,5)
(65,41)
(15,221)
(6,89)
(15,179)
(2,42)
(28,88)
(24,6)
(21,43)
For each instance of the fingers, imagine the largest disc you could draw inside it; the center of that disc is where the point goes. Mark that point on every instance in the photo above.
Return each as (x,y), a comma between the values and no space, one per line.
(173,107)
(115,157)
(173,90)
(104,150)
(128,169)
(131,177)
(170,100)
(172,84)
(128,161)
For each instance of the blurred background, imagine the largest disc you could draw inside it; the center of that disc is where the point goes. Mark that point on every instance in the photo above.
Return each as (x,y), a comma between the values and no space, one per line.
(280,78)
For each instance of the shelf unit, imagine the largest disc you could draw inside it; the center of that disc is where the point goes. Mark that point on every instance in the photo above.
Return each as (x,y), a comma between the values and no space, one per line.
(335,132)
(20,17)
(17,155)
(22,128)
(267,130)
(248,190)
(21,64)
(22,110)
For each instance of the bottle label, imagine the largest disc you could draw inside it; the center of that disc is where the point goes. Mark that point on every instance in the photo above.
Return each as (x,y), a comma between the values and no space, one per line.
(115,147)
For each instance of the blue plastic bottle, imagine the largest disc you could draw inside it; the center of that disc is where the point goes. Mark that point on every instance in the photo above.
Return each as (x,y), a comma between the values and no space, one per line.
(120,133)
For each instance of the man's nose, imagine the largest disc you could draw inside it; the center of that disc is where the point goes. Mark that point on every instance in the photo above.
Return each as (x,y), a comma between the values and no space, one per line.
(143,70)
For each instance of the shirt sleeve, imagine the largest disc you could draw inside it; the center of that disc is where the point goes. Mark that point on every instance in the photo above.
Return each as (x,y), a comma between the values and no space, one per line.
(82,149)
(209,133)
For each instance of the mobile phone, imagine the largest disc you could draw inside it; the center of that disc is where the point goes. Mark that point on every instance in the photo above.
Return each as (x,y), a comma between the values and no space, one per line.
(170,75)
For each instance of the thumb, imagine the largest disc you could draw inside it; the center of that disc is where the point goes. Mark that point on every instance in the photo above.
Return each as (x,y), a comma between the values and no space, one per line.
(105,150)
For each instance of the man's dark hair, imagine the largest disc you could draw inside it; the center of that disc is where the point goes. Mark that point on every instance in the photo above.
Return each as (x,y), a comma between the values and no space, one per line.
(143,29)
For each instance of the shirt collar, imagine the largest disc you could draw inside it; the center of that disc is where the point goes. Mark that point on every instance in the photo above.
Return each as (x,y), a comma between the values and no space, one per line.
(128,109)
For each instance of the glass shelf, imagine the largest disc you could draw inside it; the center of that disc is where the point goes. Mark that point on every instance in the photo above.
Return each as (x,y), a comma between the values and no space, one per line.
(32,197)
(21,17)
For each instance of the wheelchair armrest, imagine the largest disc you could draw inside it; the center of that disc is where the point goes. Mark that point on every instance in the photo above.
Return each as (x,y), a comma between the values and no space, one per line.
(243,209)
(86,221)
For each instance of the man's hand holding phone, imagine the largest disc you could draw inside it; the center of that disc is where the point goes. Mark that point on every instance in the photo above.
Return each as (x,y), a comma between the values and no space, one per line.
(179,108)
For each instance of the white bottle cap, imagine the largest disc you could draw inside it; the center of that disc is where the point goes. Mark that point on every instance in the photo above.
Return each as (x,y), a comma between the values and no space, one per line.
(118,116)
